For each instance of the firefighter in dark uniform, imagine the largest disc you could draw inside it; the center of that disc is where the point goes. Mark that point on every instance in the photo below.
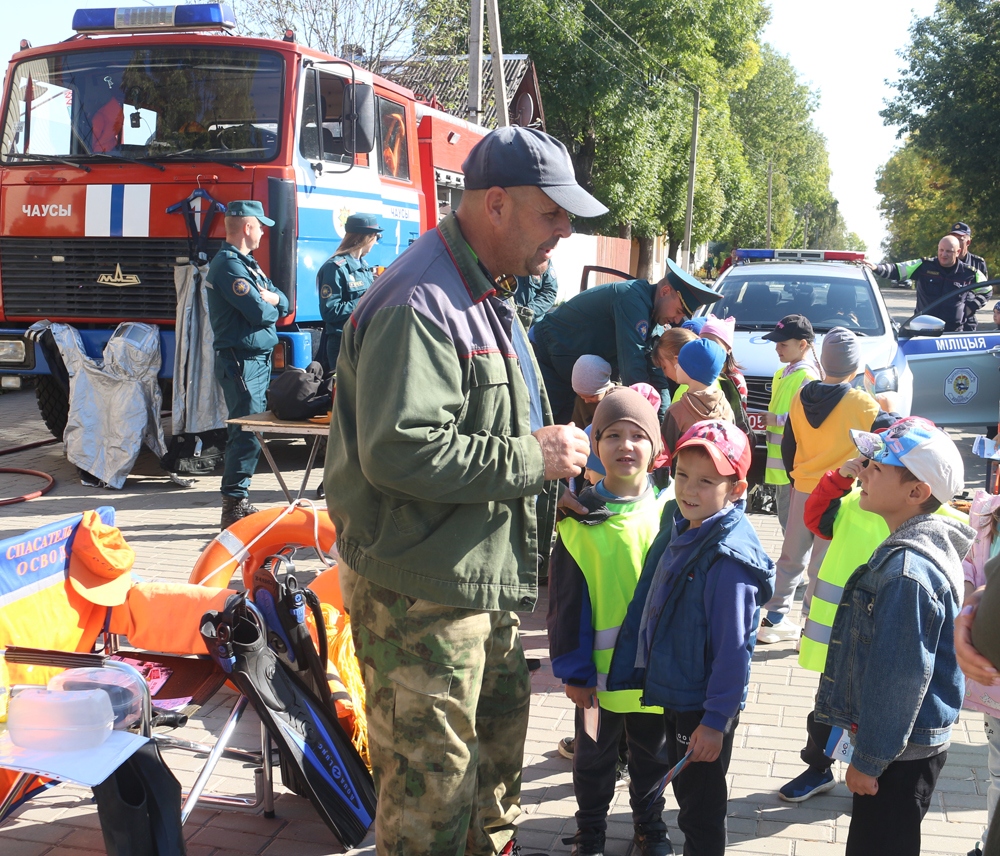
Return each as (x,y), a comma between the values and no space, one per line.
(613,321)
(537,293)
(963,232)
(345,277)
(243,305)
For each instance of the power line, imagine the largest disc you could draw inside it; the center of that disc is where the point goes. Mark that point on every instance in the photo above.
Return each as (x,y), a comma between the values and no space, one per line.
(670,71)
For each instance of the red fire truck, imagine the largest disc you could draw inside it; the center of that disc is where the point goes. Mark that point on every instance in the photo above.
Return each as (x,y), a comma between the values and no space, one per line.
(120,144)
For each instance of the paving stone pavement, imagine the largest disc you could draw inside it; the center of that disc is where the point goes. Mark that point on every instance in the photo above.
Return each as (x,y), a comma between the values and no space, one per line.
(168,526)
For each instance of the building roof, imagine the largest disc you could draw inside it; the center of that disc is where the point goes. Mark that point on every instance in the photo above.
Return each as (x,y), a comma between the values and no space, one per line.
(446,80)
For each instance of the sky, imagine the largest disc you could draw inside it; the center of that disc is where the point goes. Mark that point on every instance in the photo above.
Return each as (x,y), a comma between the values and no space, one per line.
(845,51)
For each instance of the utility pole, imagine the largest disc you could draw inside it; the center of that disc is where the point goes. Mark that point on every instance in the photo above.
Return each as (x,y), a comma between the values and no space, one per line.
(769,169)
(496,49)
(476,62)
(805,229)
(689,215)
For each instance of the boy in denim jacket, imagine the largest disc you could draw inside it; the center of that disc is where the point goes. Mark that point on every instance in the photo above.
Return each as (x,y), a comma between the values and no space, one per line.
(891,678)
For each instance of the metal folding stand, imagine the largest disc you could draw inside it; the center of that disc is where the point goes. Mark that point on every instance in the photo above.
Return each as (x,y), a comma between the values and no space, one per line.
(260,424)
(263,774)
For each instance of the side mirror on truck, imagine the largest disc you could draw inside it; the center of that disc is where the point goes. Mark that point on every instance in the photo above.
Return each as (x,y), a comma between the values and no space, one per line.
(359,118)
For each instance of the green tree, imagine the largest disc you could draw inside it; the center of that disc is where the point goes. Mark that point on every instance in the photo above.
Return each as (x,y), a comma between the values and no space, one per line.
(622,103)
(772,117)
(949,105)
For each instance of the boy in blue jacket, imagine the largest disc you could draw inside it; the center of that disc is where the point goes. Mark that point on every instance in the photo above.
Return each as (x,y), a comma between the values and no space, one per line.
(891,678)
(689,634)
(592,574)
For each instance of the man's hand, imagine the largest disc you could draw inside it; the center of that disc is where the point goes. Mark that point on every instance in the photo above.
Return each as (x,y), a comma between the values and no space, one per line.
(567,499)
(706,744)
(868,264)
(973,664)
(581,696)
(267,296)
(771,420)
(859,783)
(565,449)
(852,469)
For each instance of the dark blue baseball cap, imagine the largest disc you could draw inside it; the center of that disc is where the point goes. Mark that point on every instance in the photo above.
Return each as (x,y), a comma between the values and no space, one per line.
(523,157)
(248,208)
(961,229)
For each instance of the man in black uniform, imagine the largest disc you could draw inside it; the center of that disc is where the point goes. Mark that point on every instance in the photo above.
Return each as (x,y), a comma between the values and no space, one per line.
(243,306)
(940,277)
(613,321)
(963,232)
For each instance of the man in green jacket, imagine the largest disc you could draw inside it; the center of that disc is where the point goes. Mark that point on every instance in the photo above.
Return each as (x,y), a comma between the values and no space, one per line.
(440,441)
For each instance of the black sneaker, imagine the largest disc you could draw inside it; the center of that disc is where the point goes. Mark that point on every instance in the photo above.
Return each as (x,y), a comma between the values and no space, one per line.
(587,842)
(622,775)
(651,839)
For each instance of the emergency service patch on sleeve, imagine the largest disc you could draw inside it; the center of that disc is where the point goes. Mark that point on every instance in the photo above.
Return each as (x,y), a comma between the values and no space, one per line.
(241,287)
(325,291)
(642,328)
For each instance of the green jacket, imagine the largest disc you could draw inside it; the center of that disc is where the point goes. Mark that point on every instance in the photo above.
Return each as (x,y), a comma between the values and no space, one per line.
(240,318)
(431,470)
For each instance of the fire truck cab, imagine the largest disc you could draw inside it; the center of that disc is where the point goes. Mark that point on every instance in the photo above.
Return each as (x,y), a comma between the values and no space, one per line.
(120,145)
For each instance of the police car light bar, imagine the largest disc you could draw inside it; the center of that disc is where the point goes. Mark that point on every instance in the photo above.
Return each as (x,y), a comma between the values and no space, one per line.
(801,255)
(155,19)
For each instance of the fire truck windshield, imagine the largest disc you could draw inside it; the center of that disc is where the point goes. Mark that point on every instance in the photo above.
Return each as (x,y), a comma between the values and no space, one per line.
(149,102)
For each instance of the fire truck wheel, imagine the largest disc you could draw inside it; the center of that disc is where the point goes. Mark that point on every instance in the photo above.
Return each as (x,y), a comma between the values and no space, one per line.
(53,403)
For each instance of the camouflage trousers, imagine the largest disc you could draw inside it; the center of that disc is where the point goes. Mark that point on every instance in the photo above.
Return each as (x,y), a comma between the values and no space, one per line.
(447,695)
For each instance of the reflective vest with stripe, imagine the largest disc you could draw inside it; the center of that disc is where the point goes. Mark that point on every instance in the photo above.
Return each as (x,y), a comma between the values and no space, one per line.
(610,555)
(856,535)
(782,390)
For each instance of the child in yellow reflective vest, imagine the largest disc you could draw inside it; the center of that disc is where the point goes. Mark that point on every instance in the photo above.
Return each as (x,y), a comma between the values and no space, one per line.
(793,339)
(595,565)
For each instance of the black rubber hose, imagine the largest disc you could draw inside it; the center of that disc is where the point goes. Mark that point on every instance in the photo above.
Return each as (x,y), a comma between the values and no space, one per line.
(27,446)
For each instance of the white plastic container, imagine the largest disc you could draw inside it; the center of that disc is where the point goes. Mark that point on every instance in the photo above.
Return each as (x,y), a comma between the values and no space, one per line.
(124,690)
(59,721)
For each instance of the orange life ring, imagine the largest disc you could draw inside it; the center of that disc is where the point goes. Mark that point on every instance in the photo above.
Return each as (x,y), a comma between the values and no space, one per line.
(228,550)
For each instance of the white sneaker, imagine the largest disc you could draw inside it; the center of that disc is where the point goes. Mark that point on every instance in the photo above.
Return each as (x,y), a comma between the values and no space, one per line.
(783,631)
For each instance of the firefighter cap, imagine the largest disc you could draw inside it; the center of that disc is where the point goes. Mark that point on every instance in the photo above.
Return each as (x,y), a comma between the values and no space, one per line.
(248,208)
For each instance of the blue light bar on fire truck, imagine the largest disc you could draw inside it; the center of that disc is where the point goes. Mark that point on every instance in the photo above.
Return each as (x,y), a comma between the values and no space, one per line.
(801,255)
(155,19)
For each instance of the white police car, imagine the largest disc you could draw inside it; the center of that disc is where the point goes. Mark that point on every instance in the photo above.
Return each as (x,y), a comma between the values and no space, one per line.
(766,285)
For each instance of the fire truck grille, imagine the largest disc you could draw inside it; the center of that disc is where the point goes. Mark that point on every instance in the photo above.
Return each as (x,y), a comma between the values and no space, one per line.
(92,278)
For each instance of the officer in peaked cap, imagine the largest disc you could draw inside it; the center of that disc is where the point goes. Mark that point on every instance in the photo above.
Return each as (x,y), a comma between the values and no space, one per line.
(963,232)
(614,321)
(345,277)
(243,306)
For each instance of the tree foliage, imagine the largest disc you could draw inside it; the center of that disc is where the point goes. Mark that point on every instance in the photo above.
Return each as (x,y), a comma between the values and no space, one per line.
(360,30)
(949,108)
(921,201)
(772,117)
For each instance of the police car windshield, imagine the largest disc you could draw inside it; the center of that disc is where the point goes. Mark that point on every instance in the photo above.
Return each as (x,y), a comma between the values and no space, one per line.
(760,299)
(144,103)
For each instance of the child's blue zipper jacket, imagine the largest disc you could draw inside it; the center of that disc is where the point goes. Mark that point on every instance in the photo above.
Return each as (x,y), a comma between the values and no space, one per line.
(688,636)
(891,676)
